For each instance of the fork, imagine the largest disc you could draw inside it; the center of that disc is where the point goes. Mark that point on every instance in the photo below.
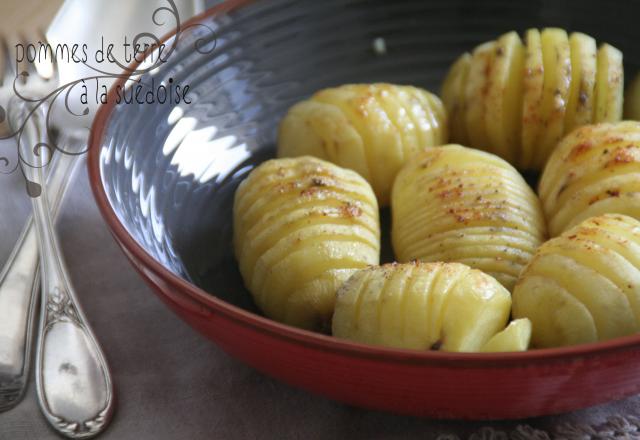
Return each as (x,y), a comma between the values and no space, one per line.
(73,381)
(19,278)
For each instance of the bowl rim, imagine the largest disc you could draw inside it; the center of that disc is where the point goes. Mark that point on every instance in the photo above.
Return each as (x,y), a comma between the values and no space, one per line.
(292,334)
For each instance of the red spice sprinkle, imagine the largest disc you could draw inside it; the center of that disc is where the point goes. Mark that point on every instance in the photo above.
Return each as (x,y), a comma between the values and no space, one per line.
(350,210)
(579,149)
(309,191)
(450,193)
(622,156)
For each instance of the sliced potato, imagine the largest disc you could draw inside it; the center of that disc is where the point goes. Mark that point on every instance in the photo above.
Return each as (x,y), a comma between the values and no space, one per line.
(557,318)
(463,205)
(421,306)
(580,106)
(453,90)
(532,86)
(439,116)
(411,140)
(301,227)
(583,286)
(370,128)
(594,170)
(478,82)
(305,129)
(528,105)
(557,81)
(453,96)
(515,337)
(380,136)
(504,98)
(609,85)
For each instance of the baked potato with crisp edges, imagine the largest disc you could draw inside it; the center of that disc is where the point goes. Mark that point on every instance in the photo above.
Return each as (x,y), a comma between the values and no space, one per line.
(370,128)
(427,306)
(301,227)
(454,203)
(518,99)
(594,170)
(583,286)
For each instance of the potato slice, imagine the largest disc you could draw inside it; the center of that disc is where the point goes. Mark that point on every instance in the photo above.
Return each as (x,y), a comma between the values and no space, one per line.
(439,116)
(580,106)
(609,85)
(589,268)
(557,81)
(598,293)
(393,104)
(532,86)
(515,337)
(557,318)
(478,83)
(301,227)
(421,306)
(322,130)
(503,101)
(453,97)
(474,311)
(418,100)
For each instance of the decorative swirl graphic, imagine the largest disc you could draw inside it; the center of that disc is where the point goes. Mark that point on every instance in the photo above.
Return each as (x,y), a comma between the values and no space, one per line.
(155,49)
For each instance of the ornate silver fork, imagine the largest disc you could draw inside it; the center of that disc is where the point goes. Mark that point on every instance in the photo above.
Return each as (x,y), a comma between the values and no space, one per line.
(19,278)
(73,381)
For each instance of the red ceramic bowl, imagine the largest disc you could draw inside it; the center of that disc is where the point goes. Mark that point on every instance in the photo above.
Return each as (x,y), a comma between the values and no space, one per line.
(164,176)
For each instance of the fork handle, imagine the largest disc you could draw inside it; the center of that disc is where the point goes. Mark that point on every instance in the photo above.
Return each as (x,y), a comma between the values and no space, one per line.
(73,381)
(19,282)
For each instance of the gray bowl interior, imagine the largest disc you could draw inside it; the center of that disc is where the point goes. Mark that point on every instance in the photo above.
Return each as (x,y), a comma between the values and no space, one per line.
(170,171)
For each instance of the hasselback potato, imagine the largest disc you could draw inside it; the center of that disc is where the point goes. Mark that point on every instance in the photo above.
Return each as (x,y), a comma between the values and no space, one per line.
(518,99)
(459,204)
(583,286)
(370,128)
(301,227)
(425,306)
(594,170)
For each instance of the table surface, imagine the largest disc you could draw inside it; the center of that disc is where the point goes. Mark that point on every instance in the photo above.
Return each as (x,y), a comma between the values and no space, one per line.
(171,383)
